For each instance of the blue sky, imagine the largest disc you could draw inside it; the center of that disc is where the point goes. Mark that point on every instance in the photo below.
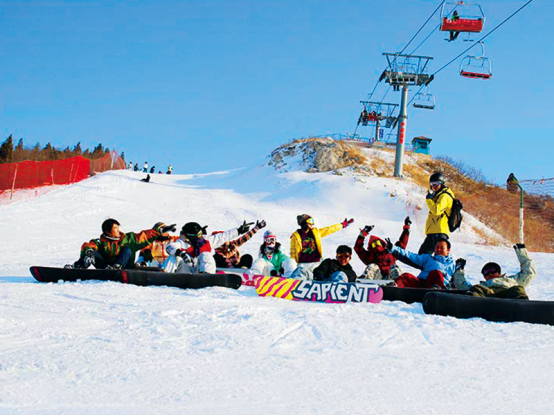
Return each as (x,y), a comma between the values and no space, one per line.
(210,85)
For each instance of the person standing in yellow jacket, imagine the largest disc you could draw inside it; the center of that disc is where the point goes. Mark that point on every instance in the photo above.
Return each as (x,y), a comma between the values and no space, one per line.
(439,201)
(305,244)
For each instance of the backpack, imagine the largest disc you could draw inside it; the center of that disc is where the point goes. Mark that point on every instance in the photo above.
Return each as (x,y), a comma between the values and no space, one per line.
(456,216)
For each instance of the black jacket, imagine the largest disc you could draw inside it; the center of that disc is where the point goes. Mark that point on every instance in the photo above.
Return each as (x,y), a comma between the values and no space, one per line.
(330,266)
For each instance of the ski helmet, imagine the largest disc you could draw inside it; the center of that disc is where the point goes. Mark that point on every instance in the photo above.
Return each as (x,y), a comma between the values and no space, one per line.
(192,229)
(437,177)
(491,267)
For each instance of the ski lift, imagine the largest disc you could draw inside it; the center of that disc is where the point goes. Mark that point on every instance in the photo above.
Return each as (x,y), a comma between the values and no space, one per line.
(462,17)
(477,67)
(424,100)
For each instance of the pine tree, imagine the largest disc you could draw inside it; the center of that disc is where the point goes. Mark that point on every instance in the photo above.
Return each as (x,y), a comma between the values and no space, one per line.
(6,150)
(77,151)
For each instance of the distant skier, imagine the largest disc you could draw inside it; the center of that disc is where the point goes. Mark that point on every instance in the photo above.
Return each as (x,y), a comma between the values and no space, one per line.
(439,200)
(337,269)
(272,261)
(454,33)
(145,167)
(136,168)
(227,256)
(305,244)
(130,166)
(169,169)
(193,251)
(147,179)
(380,263)
(115,249)
(153,169)
(497,285)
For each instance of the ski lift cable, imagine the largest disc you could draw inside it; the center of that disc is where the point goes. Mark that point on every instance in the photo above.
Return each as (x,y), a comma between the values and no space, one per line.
(425,40)
(483,38)
(408,44)
(472,46)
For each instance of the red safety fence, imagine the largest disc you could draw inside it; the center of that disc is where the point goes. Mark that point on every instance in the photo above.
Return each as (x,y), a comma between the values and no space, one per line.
(30,174)
(112,161)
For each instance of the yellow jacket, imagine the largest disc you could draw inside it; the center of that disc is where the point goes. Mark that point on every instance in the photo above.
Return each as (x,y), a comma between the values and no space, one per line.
(440,207)
(319,233)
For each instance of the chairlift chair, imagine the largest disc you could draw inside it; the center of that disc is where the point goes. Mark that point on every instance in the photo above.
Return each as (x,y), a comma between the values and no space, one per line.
(471,17)
(424,100)
(476,67)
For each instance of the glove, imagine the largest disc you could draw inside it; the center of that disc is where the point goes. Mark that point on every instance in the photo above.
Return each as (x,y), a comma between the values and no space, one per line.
(205,230)
(519,245)
(89,252)
(430,195)
(260,224)
(366,230)
(245,227)
(389,244)
(408,221)
(460,264)
(347,222)
(186,257)
(274,273)
(168,228)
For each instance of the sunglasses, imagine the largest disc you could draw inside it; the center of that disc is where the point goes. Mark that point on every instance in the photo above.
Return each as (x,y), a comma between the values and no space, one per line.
(310,221)
(343,255)
(488,271)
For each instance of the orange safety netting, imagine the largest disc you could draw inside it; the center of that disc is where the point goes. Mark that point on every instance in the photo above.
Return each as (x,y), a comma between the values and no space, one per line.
(30,174)
(111,161)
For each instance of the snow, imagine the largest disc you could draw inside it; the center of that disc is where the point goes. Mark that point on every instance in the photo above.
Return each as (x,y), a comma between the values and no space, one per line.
(109,348)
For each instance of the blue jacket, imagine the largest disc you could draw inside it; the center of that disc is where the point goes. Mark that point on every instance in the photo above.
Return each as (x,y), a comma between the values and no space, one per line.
(427,262)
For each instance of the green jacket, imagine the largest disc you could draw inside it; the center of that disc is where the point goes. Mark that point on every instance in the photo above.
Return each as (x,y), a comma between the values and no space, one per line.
(523,278)
(109,249)
(277,259)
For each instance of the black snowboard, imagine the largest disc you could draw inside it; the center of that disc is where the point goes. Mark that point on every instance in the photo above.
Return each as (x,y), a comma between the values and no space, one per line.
(491,309)
(411,295)
(137,277)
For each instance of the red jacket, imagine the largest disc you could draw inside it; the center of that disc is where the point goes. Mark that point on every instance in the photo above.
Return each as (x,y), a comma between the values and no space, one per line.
(377,253)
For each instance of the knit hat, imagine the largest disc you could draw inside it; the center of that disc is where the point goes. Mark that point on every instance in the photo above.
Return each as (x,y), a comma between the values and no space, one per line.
(491,268)
(300,219)
(269,234)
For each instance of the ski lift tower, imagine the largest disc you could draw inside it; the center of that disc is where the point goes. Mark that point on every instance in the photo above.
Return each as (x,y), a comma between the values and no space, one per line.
(404,71)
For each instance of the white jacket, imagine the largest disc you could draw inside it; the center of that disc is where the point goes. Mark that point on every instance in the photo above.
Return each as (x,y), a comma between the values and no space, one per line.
(212,242)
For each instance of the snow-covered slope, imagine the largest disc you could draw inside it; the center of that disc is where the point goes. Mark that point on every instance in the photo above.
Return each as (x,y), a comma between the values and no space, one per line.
(109,348)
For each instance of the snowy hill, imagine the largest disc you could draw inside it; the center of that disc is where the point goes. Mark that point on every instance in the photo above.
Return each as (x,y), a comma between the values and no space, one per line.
(96,347)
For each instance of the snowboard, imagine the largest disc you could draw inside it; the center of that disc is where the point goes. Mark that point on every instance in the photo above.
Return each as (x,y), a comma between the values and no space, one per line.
(247,278)
(412,295)
(137,277)
(490,309)
(314,291)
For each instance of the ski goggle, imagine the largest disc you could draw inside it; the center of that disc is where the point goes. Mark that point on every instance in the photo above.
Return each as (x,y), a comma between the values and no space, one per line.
(343,256)
(195,235)
(310,221)
(435,183)
(376,243)
(270,240)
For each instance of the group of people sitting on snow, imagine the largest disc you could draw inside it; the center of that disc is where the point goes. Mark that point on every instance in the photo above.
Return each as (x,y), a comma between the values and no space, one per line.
(196,251)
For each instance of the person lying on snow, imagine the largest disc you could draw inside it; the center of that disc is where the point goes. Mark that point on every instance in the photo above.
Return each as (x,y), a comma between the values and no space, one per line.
(338,269)
(272,261)
(228,256)
(496,284)
(115,249)
(155,254)
(436,269)
(380,263)
(193,251)
(305,244)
